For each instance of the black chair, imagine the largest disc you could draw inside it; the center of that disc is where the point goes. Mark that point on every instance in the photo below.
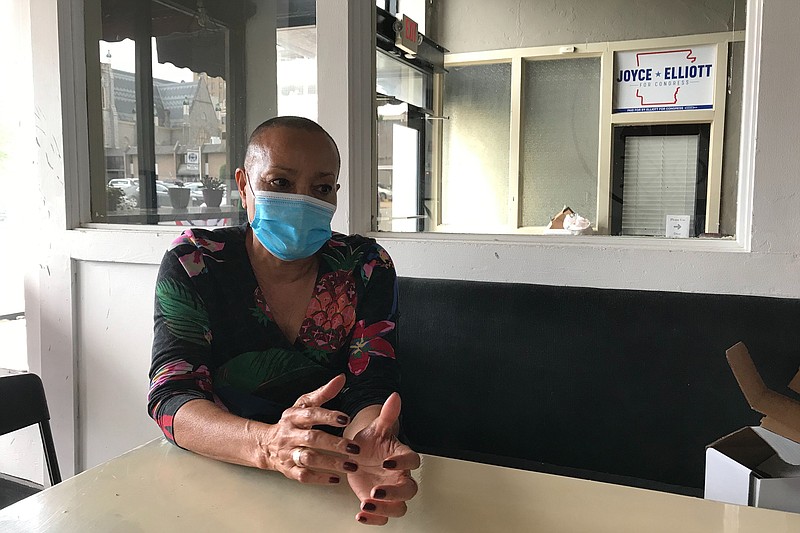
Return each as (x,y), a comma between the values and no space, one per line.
(23,404)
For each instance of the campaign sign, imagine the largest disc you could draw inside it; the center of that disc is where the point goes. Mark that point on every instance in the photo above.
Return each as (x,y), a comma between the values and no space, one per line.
(676,79)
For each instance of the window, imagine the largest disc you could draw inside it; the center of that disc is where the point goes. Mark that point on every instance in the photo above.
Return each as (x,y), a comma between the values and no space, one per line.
(659,181)
(476,147)
(14,354)
(404,102)
(174,89)
(560,117)
(297,71)
(525,118)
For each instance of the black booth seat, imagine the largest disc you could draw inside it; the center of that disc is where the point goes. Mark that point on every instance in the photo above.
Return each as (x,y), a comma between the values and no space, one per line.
(617,385)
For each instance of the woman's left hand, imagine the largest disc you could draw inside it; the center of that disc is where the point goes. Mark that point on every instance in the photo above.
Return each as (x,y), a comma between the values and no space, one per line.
(383,481)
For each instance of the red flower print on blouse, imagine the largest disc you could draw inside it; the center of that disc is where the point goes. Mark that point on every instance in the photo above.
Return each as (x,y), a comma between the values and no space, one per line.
(194,262)
(331,312)
(368,341)
(165,423)
(378,258)
(181,370)
(173,372)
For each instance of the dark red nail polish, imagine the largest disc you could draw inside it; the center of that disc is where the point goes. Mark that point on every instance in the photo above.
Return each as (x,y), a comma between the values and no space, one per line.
(353,449)
(343,420)
(362,518)
(368,507)
(390,464)
(379,494)
(334,479)
(350,467)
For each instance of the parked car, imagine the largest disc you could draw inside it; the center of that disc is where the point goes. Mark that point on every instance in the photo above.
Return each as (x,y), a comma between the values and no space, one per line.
(384,193)
(162,195)
(128,185)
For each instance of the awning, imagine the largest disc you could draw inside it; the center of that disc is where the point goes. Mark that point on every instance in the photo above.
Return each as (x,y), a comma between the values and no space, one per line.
(182,38)
(200,51)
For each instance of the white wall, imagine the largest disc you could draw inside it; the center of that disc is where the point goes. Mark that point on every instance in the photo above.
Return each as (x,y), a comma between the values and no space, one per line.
(109,271)
(21,452)
(115,336)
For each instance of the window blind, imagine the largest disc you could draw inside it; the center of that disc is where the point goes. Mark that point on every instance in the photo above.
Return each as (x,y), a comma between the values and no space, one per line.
(660,179)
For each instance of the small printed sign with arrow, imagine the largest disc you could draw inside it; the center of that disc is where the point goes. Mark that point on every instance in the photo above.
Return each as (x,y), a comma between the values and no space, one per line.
(678,226)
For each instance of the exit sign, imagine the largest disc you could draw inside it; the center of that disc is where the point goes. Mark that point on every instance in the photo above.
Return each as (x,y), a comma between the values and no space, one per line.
(408,36)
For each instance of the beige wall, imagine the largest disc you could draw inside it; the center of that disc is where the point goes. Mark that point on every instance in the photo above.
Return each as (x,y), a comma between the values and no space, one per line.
(126,134)
(166,167)
(472,25)
(164,136)
(214,162)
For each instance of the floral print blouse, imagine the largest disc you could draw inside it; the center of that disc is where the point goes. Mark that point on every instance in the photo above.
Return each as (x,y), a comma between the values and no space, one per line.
(215,337)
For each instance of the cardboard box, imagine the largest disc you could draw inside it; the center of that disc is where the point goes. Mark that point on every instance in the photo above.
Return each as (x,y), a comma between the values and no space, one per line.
(557,222)
(754,466)
(758,466)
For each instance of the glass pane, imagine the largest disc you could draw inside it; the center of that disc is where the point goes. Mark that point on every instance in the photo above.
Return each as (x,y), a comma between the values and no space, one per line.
(389,115)
(660,180)
(404,150)
(18,215)
(118,96)
(11,220)
(297,71)
(399,81)
(477,100)
(180,171)
(14,231)
(189,106)
(561,113)
(189,103)
(403,94)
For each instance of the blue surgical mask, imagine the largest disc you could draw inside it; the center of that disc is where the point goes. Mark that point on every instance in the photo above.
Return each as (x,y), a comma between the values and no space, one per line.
(291,226)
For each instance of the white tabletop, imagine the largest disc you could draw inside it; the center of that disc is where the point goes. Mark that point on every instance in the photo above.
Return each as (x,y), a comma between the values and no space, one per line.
(159,487)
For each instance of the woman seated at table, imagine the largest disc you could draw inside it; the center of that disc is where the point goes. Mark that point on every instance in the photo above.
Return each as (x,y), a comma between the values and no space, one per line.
(269,332)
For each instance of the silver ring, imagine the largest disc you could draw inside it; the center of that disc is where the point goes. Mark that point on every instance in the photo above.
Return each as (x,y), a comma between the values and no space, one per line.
(296,456)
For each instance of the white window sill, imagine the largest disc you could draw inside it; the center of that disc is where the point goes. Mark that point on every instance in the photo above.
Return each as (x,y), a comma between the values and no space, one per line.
(559,241)
(147,244)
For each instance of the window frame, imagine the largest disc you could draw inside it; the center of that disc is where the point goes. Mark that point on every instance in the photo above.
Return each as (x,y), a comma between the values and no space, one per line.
(607,120)
(356,207)
(622,132)
(94,195)
(341,96)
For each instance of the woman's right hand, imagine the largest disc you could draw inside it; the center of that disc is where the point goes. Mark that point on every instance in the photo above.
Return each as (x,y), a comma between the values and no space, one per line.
(309,455)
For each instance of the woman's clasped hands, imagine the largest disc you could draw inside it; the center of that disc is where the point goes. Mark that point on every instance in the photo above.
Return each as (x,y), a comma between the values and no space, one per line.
(377,465)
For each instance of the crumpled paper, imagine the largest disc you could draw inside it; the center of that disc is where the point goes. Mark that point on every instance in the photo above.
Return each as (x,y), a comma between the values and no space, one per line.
(577,225)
